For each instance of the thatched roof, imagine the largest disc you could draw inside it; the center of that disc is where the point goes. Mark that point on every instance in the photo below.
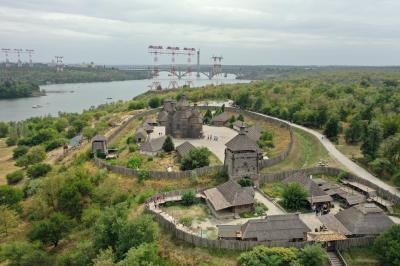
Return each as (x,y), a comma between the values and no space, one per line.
(229,194)
(162,116)
(333,224)
(362,219)
(141,133)
(275,228)
(254,132)
(229,231)
(350,196)
(154,145)
(184,148)
(242,142)
(99,138)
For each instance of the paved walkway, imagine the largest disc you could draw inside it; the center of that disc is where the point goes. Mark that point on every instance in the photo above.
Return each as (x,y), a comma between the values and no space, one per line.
(272,208)
(341,158)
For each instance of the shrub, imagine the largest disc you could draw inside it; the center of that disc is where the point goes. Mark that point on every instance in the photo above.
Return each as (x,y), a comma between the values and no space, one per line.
(312,255)
(168,145)
(11,141)
(15,177)
(261,255)
(34,155)
(196,158)
(189,197)
(134,162)
(131,140)
(136,105)
(54,144)
(25,254)
(145,195)
(132,148)
(20,151)
(10,196)
(294,196)
(38,170)
(143,175)
(154,102)
(3,129)
(186,221)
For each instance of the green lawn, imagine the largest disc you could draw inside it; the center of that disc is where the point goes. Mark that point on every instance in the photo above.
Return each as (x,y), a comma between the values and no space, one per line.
(307,151)
(360,256)
(274,189)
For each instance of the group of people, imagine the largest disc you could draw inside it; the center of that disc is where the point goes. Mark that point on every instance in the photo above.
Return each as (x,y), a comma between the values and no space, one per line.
(211,137)
(321,210)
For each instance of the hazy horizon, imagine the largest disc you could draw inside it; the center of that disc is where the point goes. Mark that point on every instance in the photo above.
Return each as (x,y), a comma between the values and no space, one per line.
(256,32)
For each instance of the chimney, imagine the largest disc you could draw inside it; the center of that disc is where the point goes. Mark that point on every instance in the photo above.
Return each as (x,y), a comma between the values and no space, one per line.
(242,129)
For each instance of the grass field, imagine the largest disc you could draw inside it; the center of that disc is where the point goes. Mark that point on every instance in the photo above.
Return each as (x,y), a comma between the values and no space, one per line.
(361,256)
(307,151)
(7,164)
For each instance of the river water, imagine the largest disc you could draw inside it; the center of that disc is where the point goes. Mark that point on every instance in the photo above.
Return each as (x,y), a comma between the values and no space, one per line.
(84,96)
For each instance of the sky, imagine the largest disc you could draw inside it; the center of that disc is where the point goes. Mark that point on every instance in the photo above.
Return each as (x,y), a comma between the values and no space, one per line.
(251,32)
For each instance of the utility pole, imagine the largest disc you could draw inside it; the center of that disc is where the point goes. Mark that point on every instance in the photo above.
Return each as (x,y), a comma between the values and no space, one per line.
(30,52)
(6,52)
(59,63)
(198,64)
(19,51)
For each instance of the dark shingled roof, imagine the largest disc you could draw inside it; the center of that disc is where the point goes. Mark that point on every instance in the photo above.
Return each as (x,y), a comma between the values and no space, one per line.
(275,228)
(154,145)
(99,138)
(184,148)
(229,194)
(254,132)
(242,142)
(362,219)
(222,117)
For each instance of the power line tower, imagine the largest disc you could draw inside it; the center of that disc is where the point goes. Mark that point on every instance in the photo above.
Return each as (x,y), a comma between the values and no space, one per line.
(198,64)
(6,52)
(59,63)
(217,67)
(189,52)
(19,52)
(30,52)
(155,51)
(173,51)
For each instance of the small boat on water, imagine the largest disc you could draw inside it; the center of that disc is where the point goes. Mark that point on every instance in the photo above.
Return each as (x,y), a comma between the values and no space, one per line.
(109,98)
(37,106)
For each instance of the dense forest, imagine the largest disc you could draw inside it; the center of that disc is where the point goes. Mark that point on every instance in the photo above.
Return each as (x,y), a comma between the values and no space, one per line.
(42,74)
(17,89)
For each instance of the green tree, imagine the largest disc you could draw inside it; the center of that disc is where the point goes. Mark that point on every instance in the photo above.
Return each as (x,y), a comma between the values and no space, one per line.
(106,257)
(70,195)
(294,196)
(34,155)
(196,158)
(207,117)
(139,231)
(312,255)
(372,141)
(38,170)
(353,133)
(81,255)
(108,225)
(89,132)
(143,175)
(243,100)
(50,230)
(25,254)
(261,255)
(390,149)
(189,197)
(331,130)
(154,102)
(387,246)
(168,145)
(15,177)
(3,129)
(240,118)
(8,219)
(144,255)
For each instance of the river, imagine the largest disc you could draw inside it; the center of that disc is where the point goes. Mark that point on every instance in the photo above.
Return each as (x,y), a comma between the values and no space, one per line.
(79,96)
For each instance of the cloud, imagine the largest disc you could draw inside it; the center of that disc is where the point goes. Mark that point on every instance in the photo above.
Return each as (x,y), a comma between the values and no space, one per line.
(246,32)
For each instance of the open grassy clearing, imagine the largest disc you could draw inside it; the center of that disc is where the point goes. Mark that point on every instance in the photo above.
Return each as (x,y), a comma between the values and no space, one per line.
(7,164)
(307,151)
(360,256)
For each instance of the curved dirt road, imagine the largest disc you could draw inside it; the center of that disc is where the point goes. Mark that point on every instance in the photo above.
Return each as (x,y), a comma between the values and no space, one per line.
(341,158)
